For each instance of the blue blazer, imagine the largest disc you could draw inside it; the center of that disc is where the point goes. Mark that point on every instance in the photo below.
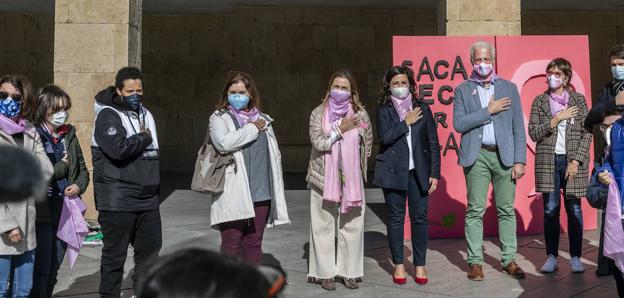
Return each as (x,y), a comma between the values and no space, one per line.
(392,163)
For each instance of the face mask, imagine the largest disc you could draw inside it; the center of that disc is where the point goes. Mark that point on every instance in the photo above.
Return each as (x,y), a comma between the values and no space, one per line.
(58,119)
(339,95)
(399,92)
(618,72)
(238,101)
(134,101)
(554,82)
(607,136)
(9,107)
(483,69)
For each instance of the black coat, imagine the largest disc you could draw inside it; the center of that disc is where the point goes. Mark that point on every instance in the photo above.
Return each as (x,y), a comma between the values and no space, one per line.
(392,163)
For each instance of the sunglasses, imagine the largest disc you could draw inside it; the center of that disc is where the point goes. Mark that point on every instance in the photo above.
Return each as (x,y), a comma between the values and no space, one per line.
(5,95)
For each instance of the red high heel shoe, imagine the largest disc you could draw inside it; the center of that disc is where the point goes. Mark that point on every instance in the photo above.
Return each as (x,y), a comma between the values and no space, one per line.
(399,280)
(421,281)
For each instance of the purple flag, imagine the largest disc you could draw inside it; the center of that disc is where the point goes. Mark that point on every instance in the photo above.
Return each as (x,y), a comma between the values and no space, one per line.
(613,230)
(72,226)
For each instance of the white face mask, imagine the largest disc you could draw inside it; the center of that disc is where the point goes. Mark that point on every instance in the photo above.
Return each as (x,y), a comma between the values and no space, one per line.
(607,136)
(618,72)
(554,82)
(59,118)
(399,92)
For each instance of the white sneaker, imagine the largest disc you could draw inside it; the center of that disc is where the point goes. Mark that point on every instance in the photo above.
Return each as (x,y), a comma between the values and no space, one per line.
(576,265)
(550,265)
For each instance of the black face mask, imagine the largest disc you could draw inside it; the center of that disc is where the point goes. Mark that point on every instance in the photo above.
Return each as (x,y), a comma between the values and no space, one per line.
(134,101)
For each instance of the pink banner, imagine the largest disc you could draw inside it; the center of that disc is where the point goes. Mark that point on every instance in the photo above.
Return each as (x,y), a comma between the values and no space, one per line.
(443,62)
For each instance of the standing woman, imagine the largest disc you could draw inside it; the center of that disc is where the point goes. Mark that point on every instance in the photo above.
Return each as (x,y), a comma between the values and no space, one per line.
(341,136)
(17,219)
(70,179)
(407,166)
(254,188)
(562,159)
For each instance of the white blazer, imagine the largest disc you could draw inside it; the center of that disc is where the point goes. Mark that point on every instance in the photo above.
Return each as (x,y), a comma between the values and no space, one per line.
(235,202)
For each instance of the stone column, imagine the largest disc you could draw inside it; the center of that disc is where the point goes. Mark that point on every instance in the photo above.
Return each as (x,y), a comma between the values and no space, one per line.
(92,40)
(479,17)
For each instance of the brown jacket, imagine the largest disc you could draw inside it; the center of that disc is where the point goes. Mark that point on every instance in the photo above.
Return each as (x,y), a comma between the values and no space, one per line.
(321,143)
(577,145)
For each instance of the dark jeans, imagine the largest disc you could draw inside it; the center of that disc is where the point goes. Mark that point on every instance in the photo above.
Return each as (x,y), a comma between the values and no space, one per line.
(552,204)
(243,238)
(140,229)
(49,256)
(418,202)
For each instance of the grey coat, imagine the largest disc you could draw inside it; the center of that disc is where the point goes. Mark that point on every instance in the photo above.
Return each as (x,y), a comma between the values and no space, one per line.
(469,118)
(22,214)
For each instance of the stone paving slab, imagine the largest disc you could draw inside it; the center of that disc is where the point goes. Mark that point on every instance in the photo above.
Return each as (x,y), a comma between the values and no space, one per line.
(186,223)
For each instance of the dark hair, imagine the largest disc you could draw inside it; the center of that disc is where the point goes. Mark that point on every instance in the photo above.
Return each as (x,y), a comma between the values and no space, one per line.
(127,73)
(355,95)
(198,273)
(24,86)
(564,65)
(403,69)
(610,113)
(50,99)
(237,77)
(617,51)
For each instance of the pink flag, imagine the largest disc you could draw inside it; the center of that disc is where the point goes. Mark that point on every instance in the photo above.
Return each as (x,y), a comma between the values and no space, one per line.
(613,230)
(72,226)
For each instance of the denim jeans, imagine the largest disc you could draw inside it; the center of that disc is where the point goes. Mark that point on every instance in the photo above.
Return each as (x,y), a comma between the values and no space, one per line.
(49,256)
(552,204)
(21,267)
(418,203)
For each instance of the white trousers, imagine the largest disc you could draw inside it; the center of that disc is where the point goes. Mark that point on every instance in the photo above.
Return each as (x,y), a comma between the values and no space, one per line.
(328,259)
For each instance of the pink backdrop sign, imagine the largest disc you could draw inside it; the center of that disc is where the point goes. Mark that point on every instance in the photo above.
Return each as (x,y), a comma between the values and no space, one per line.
(443,62)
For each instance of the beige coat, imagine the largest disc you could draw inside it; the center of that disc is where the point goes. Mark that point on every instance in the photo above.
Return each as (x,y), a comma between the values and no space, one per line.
(22,214)
(321,143)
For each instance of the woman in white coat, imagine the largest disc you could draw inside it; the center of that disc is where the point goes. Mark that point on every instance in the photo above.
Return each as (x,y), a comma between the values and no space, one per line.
(17,219)
(253,194)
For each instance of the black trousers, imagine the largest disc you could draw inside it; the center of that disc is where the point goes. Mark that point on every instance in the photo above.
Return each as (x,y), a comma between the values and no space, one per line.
(140,229)
(418,202)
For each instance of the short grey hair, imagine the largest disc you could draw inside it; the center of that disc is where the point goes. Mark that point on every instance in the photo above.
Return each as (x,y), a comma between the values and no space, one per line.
(480,45)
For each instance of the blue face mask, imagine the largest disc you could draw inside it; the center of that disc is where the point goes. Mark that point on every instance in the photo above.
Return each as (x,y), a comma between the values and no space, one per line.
(9,107)
(238,101)
(134,101)
(618,72)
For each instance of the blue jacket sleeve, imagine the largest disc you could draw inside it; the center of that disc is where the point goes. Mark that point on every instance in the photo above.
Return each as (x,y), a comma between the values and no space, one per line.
(388,133)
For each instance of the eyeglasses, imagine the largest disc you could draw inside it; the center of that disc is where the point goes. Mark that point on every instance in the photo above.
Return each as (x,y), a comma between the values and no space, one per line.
(16,97)
(557,74)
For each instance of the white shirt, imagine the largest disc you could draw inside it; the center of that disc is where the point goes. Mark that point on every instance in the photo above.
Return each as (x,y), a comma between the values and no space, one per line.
(489,138)
(560,147)
(409,145)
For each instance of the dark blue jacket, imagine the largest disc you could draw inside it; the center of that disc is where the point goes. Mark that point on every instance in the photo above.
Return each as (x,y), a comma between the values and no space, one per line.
(392,163)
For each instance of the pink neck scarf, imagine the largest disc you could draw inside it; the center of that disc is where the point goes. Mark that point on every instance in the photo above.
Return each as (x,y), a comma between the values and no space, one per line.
(343,175)
(10,127)
(338,108)
(402,106)
(558,102)
(475,77)
(245,117)
(613,231)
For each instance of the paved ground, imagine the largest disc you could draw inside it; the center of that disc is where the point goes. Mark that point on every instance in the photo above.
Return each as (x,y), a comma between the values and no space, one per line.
(186,224)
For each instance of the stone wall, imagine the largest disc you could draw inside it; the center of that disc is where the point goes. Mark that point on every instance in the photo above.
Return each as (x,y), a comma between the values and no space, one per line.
(291,52)
(605,29)
(26,46)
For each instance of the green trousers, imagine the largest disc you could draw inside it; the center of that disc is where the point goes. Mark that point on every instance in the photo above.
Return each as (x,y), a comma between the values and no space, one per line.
(488,168)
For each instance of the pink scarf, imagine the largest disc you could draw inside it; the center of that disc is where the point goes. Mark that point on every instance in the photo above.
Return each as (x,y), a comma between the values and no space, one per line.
(338,109)
(72,226)
(402,106)
(557,102)
(10,127)
(245,117)
(343,175)
(613,230)
(475,77)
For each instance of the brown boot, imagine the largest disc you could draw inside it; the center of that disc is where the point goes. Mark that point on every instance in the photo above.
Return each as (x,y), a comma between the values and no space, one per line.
(350,283)
(475,272)
(328,284)
(513,270)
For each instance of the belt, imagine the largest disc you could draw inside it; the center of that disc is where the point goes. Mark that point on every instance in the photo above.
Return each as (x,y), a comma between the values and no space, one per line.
(491,148)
